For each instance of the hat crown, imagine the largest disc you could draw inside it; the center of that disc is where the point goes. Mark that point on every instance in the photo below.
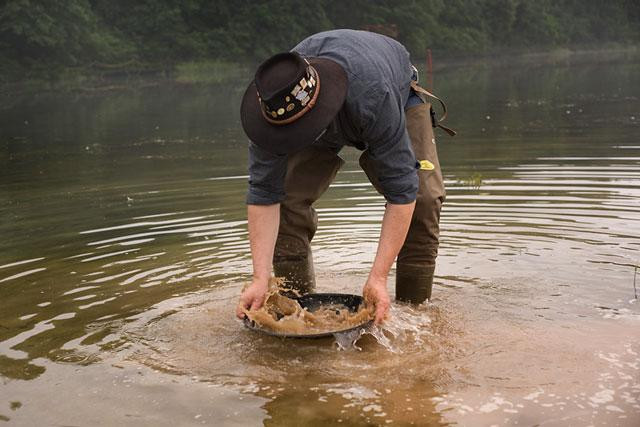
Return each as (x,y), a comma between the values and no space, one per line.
(295,119)
(279,74)
(287,87)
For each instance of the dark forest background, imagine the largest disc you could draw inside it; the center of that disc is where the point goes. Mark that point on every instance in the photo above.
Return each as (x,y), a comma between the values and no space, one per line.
(55,34)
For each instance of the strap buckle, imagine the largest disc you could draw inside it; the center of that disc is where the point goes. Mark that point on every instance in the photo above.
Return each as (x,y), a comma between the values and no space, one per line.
(436,123)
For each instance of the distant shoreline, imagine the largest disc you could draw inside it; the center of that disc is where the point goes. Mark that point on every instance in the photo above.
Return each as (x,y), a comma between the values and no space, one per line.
(578,54)
(96,78)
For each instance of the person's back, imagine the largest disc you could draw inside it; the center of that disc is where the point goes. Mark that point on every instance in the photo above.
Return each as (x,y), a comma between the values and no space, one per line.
(372,61)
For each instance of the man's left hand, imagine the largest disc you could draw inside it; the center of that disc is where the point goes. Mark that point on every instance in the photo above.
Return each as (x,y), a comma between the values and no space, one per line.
(375,293)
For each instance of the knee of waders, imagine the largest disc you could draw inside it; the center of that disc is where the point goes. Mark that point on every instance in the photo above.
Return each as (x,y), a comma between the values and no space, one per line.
(429,201)
(419,250)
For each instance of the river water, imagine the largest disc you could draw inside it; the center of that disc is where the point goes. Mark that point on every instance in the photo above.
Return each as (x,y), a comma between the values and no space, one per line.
(124,249)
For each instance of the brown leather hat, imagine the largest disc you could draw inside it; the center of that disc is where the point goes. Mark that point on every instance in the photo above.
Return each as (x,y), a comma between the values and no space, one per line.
(291,101)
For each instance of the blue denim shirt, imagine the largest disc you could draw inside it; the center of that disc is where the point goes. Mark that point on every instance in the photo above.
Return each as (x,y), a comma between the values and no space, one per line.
(372,118)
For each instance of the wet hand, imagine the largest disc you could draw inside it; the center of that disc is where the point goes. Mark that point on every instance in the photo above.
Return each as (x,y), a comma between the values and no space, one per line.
(375,293)
(252,297)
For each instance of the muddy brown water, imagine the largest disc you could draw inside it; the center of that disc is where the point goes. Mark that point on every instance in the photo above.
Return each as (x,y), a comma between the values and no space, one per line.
(124,248)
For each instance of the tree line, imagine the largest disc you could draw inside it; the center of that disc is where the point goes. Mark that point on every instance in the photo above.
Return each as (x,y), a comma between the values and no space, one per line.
(68,33)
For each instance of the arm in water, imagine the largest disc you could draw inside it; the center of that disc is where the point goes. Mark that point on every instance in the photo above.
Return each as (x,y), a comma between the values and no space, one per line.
(395,225)
(263,231)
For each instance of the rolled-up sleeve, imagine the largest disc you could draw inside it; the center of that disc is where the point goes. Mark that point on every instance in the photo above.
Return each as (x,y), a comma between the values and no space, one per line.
(266,176)
(392,158)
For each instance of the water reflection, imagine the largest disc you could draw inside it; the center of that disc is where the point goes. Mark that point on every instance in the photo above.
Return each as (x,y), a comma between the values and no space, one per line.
(124,242)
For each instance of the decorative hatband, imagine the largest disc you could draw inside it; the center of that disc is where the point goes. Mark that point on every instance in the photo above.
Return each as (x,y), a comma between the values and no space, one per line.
(296,103)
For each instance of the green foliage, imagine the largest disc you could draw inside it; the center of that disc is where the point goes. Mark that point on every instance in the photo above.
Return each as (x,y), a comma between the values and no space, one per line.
(56,33)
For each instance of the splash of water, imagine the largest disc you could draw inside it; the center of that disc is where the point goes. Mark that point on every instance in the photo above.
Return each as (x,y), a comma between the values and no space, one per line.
(348,340)
(405,324)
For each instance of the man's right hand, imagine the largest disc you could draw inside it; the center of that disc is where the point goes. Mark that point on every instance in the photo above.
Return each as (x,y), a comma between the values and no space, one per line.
(252,297)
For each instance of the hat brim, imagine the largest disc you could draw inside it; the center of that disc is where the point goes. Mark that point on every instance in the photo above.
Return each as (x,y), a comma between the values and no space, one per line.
(292,137)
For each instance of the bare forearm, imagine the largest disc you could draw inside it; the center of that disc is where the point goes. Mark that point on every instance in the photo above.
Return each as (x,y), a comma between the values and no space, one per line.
(263,231)
(395,225)
(264,221)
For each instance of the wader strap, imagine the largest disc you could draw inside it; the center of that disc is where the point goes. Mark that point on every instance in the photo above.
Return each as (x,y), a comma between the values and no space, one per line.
(419,89)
